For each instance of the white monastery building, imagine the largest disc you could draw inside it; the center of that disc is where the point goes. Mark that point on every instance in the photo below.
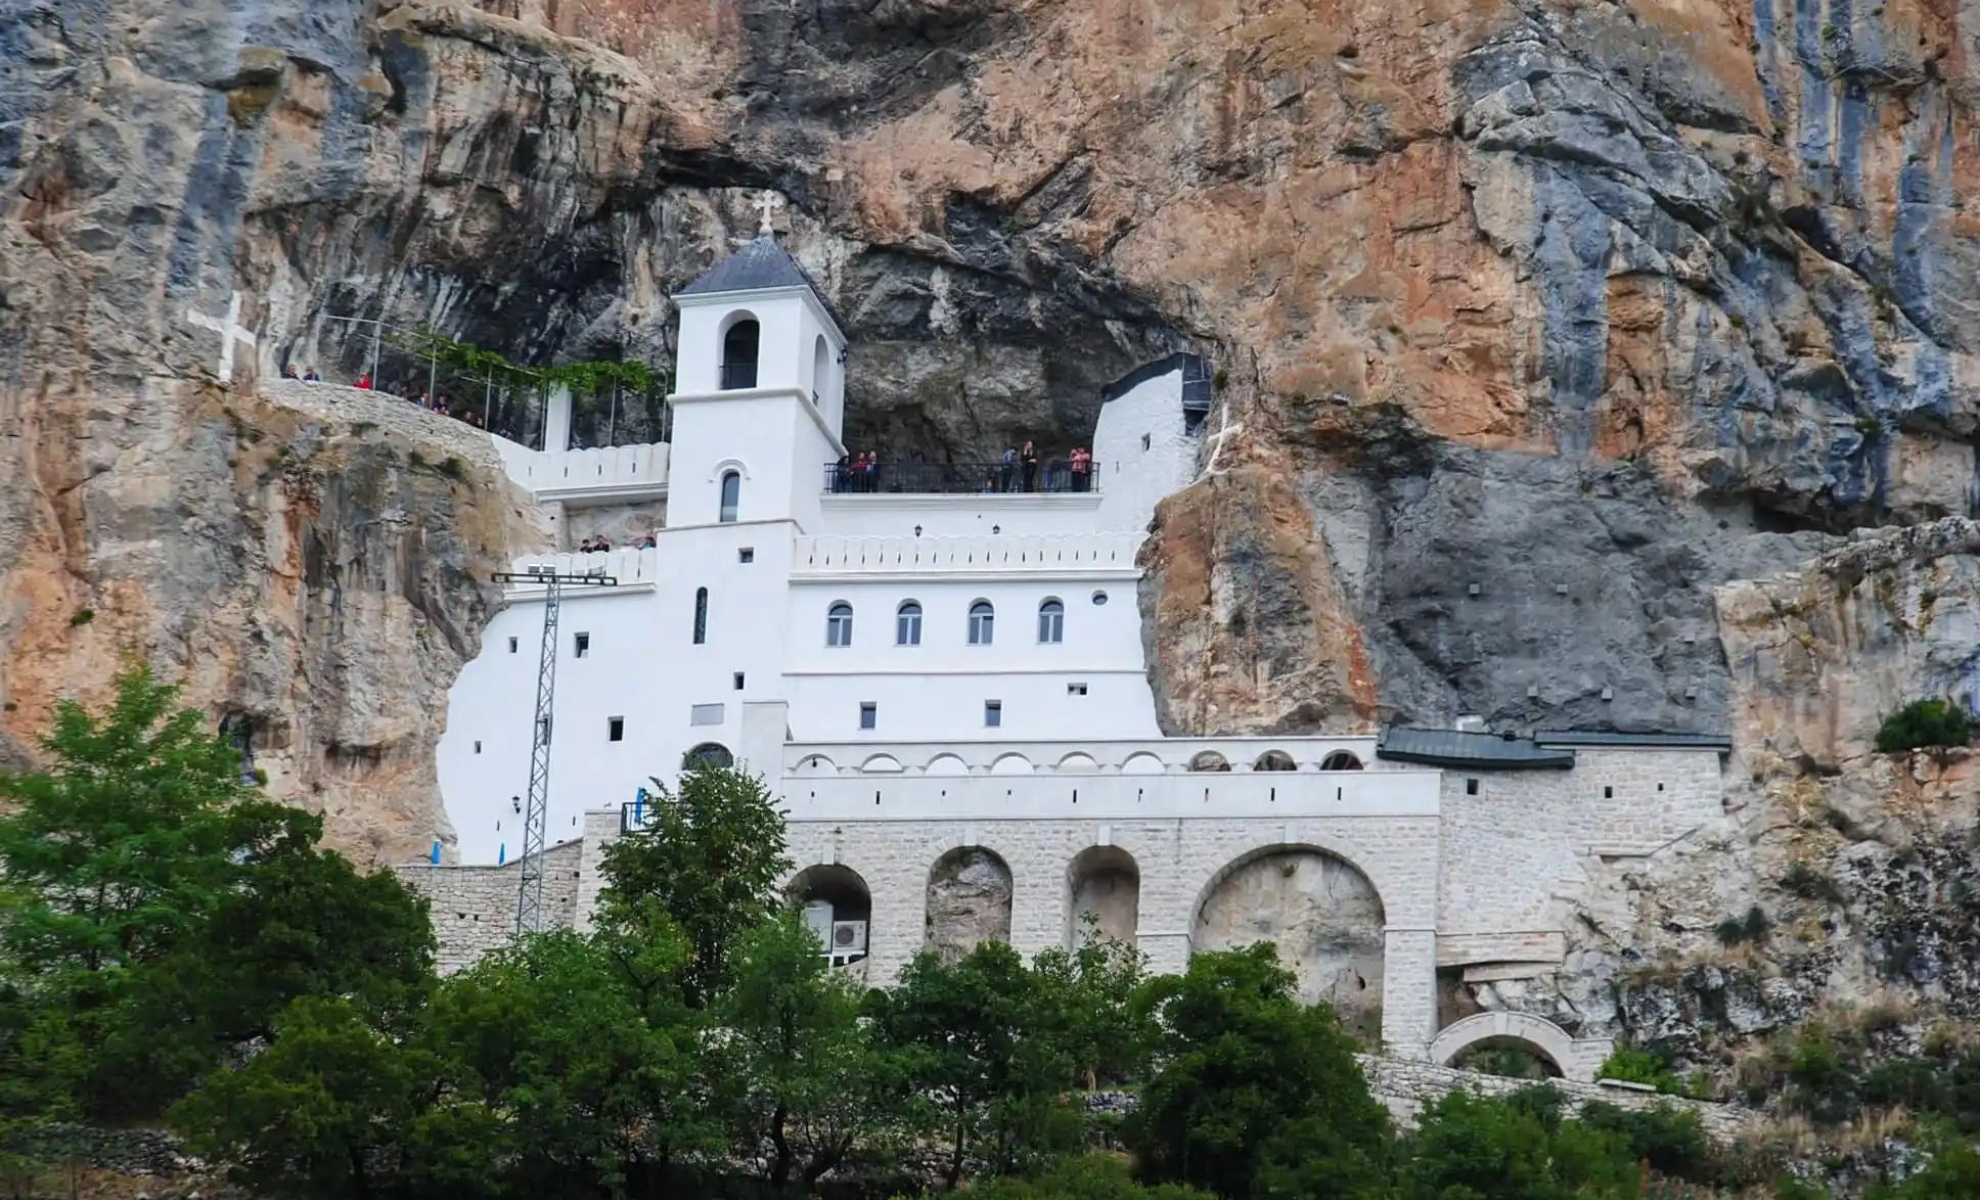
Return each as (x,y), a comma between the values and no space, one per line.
(941,673)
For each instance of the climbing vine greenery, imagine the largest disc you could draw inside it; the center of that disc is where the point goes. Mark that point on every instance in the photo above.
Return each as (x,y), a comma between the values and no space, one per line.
(589,377)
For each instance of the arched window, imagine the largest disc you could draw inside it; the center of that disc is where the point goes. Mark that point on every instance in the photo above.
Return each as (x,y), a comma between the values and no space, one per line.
(839,624)
(1052,621)
(907,624)
(739,355)
(707,754)
(1275,760)
(1209,760)
(731,495)
(982,623)
(700,616)
(1340,760)
(821,370)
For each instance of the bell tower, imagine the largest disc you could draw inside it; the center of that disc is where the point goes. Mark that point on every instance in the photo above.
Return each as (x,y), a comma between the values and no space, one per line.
(759,391)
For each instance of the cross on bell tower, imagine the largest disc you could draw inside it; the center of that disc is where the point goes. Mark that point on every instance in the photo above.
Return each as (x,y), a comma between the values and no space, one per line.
(766,204)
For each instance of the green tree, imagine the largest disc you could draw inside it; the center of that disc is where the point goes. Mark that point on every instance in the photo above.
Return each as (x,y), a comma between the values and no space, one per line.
(1954,1174)
(324,1112)
(1248,1079)
(805,1087)
(707,862)
(1923,723)
(1470,1147)
(1083,1177)
(1093,1007)
(967,1033)
(590,1060)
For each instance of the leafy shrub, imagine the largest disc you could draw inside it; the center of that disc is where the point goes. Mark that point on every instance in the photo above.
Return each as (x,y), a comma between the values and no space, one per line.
(82,616)
(1809,883)
(1923,723)
(1670,1139)
(1632,1064)
(1753,927)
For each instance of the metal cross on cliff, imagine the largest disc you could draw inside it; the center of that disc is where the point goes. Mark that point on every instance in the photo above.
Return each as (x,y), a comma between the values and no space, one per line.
(230,330)
(767,204)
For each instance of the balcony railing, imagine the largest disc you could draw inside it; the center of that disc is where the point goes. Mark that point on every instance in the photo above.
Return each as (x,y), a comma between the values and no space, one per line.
(959,478)
(738,376)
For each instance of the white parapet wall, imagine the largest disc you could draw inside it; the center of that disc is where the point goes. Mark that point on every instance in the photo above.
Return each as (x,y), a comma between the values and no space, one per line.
(608,475)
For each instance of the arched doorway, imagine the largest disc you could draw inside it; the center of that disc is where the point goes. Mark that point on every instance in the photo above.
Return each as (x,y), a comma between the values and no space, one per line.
(739,347)
(1322,913)
(1103,895)
(1491,1039)
(838,906)
(969,901)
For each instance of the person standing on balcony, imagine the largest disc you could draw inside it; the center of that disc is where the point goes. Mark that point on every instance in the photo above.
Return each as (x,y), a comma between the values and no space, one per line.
(1082,464)
(842,474)
(1007,472)
(1030,461)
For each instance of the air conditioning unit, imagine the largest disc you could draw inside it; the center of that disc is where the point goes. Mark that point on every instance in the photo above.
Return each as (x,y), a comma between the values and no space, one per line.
(848,937)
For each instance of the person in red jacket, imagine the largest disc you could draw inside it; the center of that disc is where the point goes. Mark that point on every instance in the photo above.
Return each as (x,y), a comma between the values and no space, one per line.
(364,381)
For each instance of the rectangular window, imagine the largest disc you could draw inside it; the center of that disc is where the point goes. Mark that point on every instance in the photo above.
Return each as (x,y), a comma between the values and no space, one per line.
(1471,787)
(739,681)
(993,714)
(615,729)
(746,555)
(1075,689)
(705,714)
(477,747)
(512,645)
(869,715)
(581,644)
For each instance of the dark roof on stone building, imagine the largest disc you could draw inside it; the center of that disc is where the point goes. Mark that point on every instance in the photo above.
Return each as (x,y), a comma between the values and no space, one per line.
(1457,748)
(760,264)
(1605,737)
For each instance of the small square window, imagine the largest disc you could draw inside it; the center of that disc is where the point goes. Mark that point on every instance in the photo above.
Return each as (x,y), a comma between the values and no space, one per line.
(615,729)
(1471,787)
(1146,441)
(512,645)
(993,714)
(869,715)
(581,643)
(1608,792)
(739,681)
(746,555)
(1075,689)
(477,747)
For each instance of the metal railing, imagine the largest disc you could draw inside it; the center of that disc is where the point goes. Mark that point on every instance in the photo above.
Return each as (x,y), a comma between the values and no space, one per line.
(737,376)
(1058,475)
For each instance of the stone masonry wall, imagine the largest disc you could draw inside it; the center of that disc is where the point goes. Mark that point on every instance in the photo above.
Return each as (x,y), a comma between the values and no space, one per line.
(1518,850)
(474,908)
(1405,1087)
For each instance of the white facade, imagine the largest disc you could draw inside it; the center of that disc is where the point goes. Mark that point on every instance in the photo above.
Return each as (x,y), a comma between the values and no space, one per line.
(770,622)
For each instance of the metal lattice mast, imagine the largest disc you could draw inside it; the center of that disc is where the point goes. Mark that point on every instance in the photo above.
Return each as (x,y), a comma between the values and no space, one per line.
(536,804)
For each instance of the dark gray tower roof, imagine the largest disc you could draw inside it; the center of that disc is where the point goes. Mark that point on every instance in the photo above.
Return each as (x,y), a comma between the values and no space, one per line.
(760,264)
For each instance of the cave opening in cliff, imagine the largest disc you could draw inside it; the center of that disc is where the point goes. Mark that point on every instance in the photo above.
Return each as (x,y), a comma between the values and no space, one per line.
(1321,912)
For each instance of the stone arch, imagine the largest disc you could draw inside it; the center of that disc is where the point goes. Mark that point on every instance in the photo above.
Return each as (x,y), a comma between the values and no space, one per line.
(1319,908)
(1077,761)
(831,895)
(1104,881)
(968,902)
(1341,760)
(1275,760)
(1537,1034)
(1011,764)
(1209,760)
(1143,763)
(814,766)
(946,764)
(881,764)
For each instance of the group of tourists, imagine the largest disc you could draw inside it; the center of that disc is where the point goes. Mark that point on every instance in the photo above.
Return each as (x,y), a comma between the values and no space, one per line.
(1016,471)
(601,544)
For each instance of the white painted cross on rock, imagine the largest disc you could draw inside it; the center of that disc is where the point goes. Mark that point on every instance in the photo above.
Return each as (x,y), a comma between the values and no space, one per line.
(1224,432)
(230,330)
